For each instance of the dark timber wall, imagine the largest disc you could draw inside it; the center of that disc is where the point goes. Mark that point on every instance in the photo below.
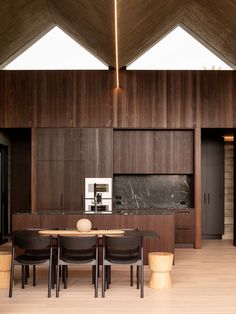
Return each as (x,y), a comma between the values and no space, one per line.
(181,100)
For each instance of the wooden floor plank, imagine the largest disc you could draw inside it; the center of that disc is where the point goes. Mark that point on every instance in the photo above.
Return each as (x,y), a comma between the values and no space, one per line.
(204,282)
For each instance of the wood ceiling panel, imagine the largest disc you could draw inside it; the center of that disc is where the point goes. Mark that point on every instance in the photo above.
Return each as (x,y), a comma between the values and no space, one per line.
(22,22)
(143,23)
(89,22)
(214,23)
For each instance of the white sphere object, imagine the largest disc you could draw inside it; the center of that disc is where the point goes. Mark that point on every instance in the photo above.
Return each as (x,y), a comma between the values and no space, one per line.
(84,224)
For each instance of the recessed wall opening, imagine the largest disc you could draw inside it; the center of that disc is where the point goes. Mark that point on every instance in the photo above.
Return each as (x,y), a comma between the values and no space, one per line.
(217,183)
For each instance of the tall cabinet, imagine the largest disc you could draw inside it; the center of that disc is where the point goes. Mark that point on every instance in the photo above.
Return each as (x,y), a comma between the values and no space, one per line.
(212,187)
(64,158)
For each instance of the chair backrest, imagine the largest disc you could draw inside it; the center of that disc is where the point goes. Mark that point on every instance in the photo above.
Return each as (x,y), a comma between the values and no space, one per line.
(125,242)
(30,240)
(78,243)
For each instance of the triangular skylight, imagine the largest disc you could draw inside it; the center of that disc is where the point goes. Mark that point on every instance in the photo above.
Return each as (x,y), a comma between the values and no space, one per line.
(178,51)
(55,50)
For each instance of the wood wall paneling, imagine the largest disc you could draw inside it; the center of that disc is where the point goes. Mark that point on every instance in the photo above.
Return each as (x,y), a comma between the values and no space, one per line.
(18,97)
(94,98)
(146,99)
(142,100)
(181,99)
(22,222)
(217,99)
(56,98)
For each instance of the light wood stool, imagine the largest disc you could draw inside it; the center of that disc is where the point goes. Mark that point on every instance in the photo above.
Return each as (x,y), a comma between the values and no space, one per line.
(5,267)
(160,264)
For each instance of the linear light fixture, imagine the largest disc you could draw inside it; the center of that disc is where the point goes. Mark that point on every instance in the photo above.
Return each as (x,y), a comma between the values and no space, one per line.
(228,138)
(116,45)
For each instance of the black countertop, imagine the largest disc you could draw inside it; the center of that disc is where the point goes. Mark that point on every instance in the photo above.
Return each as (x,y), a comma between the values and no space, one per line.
(152,211)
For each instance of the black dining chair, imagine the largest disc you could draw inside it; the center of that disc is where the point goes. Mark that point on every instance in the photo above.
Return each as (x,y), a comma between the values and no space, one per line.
(79,251)
(40,248)
(124,250)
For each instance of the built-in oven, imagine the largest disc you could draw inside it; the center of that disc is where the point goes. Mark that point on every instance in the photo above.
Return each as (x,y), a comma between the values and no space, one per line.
(98,195)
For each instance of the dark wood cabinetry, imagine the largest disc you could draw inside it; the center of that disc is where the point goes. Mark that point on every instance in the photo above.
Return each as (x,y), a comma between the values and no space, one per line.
(50,185)
(165,226)
(184,227)
(64,158)
(149,151)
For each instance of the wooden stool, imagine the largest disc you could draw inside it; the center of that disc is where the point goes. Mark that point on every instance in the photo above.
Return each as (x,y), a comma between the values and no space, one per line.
(5,267)
(160,264)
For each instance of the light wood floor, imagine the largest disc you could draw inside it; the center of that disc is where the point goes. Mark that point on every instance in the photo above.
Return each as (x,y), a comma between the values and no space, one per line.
(204,282)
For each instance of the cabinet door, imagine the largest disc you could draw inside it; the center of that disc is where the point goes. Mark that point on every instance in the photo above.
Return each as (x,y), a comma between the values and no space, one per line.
(144,151)
(98,152)
(50,185)
(184,227)
(212,187)
(51,144)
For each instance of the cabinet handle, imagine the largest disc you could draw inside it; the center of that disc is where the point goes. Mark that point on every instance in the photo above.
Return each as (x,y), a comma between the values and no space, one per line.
(183,228)
(204,201)
(209,198)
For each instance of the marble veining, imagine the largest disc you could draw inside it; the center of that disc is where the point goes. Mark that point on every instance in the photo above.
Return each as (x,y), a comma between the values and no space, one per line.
(152,191)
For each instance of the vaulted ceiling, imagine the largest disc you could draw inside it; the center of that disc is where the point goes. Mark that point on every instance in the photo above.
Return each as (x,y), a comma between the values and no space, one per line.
(141,23)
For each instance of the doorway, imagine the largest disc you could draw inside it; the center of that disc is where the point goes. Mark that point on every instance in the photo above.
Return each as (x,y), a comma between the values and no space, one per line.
(217,183)
(3,193)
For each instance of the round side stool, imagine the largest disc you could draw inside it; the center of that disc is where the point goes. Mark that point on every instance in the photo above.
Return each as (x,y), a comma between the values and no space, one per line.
(5,266)
(160,264)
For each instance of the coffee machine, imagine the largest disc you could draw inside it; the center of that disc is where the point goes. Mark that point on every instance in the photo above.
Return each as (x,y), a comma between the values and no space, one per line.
(98,195)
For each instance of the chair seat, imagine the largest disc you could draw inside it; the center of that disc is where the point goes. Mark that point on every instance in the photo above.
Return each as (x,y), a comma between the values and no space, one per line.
(32,259)
(122,259)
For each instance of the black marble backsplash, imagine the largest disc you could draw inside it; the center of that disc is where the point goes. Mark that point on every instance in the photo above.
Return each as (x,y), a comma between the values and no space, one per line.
(152,191)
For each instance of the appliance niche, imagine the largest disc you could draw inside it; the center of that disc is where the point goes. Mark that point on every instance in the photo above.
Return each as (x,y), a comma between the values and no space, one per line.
(152,191)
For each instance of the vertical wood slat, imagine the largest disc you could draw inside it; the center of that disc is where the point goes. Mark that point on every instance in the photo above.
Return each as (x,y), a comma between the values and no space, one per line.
(33,169)
(197,186)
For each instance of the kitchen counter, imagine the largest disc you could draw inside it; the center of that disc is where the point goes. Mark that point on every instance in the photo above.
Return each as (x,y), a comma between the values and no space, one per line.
(151,211)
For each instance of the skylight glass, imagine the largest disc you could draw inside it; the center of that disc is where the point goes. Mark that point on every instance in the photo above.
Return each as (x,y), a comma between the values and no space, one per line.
(56,50)
(178,51)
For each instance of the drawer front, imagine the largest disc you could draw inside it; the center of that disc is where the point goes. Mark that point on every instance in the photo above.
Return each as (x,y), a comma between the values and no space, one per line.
(184,235)
(184,218)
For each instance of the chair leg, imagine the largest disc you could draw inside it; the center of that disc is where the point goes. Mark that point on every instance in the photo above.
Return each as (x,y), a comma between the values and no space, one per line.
(93,275)
(131,275)
(23,276)
(57,282)
(27,271)
(137,276)
(109,268)
(34,275)
(64,276)
(103,281)
(49,278)
(26,274)
(11,278)
(107,277)
(96,281)
(142,282)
